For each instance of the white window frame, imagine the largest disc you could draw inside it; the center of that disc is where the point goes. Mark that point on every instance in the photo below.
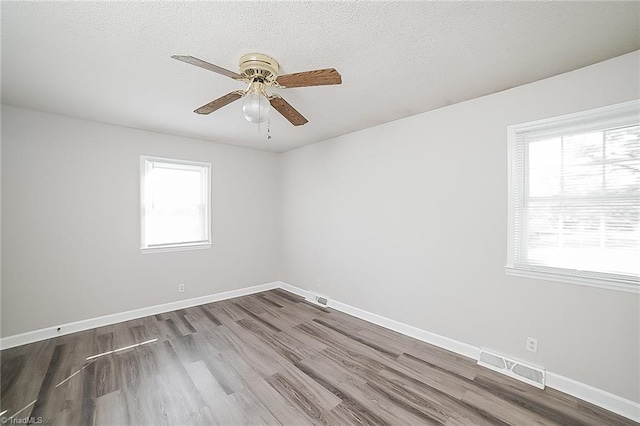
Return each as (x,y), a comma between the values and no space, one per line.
(145,163)
(620,114)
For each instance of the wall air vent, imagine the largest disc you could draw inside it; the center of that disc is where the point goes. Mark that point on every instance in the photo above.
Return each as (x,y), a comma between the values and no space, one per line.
(318,299)
(526,373)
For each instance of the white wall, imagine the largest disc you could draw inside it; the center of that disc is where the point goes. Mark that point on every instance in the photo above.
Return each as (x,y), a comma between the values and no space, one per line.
(408,220)
(71,221)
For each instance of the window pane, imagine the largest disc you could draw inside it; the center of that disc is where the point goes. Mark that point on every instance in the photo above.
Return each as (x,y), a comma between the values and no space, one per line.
(583,180)
(175,204)
(623,177)
(545,160)
(602,238)
(585,148)
(575,197)
(623,143)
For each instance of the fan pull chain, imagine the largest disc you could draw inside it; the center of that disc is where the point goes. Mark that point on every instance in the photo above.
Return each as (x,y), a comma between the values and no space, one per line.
(268,128)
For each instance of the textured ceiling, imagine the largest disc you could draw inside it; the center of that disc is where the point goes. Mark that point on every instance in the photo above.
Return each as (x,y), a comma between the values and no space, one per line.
(110,61)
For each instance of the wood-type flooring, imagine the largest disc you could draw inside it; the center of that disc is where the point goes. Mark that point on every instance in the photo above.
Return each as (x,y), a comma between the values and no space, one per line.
(266,359)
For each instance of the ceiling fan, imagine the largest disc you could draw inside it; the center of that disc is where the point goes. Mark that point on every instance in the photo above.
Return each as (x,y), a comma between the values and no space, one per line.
(259,72)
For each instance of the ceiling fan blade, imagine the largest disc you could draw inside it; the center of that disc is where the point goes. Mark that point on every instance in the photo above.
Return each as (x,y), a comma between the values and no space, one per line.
(287,111)
(206,65)
(220,102)
(310,78)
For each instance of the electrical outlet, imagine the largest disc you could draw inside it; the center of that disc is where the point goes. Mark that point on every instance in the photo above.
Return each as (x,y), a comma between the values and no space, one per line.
(318,284)
(181,288)
(532,345)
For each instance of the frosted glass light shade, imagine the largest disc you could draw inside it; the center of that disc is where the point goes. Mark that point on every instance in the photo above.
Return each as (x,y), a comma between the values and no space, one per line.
(255,107)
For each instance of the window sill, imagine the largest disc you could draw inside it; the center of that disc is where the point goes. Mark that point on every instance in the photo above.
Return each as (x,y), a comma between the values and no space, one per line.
(177,247)
(628,285)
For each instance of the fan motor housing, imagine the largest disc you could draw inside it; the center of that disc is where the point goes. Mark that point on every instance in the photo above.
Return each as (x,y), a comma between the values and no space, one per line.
(258,66)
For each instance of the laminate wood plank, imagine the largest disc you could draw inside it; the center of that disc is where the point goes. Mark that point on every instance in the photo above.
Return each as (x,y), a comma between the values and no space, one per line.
(48,400)
(133,386)
(253,353)
(122,335)
(184,322)
(23,370)
(358,352)
(173,328)
(504,410)
(285,412)
(422,408)
(301,307)
(458,364)
(300,346)
(354,414)
(111,410)
(386,350)
(360,398)
(304,384)
(432,406)
(202,324)
(267,302)
(432,376)
(141,333)
(171,397)
(287,295)
(209,388)
(297,397)
(223,411)
(88,395)
(285,318)
(598,416)
(268,358)
(344,322)
(188,348)
(273,343)
(209,315)
(227,309)
(254,412)
(146,328)
(224,375)
(249,304)
(253,349)
(70,383)
(453,409)
(308,345)
(534,400)
(282,301)
(106,379)
(66,415)
(264,323)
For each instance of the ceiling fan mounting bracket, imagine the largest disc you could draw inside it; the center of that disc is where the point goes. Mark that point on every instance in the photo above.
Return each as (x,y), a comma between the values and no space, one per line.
(259,67)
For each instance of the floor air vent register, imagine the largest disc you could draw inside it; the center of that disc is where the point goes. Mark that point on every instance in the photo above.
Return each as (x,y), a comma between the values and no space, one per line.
(526,373)
(318,299)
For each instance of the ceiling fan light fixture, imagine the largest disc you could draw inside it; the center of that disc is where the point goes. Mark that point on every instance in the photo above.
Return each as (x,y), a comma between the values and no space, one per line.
(262,71)
(255,105)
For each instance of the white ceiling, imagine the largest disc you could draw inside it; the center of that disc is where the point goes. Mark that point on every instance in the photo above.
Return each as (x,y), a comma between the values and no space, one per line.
(110,61)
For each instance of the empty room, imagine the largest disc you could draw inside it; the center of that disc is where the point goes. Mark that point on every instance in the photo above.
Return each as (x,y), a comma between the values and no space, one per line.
(320,213)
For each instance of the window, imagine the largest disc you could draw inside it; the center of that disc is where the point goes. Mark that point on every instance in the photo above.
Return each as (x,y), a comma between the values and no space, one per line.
(574,198)
(175,205)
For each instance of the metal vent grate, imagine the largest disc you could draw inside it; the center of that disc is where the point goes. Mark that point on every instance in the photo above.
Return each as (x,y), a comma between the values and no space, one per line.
(318,299)
(526,373)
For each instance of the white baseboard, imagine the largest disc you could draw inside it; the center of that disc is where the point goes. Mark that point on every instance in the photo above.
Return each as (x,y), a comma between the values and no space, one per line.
(74,327)
(599,397)
(595,396)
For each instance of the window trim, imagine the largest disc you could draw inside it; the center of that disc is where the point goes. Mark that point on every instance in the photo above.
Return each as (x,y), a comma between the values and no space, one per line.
(190,245)
(612,114)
